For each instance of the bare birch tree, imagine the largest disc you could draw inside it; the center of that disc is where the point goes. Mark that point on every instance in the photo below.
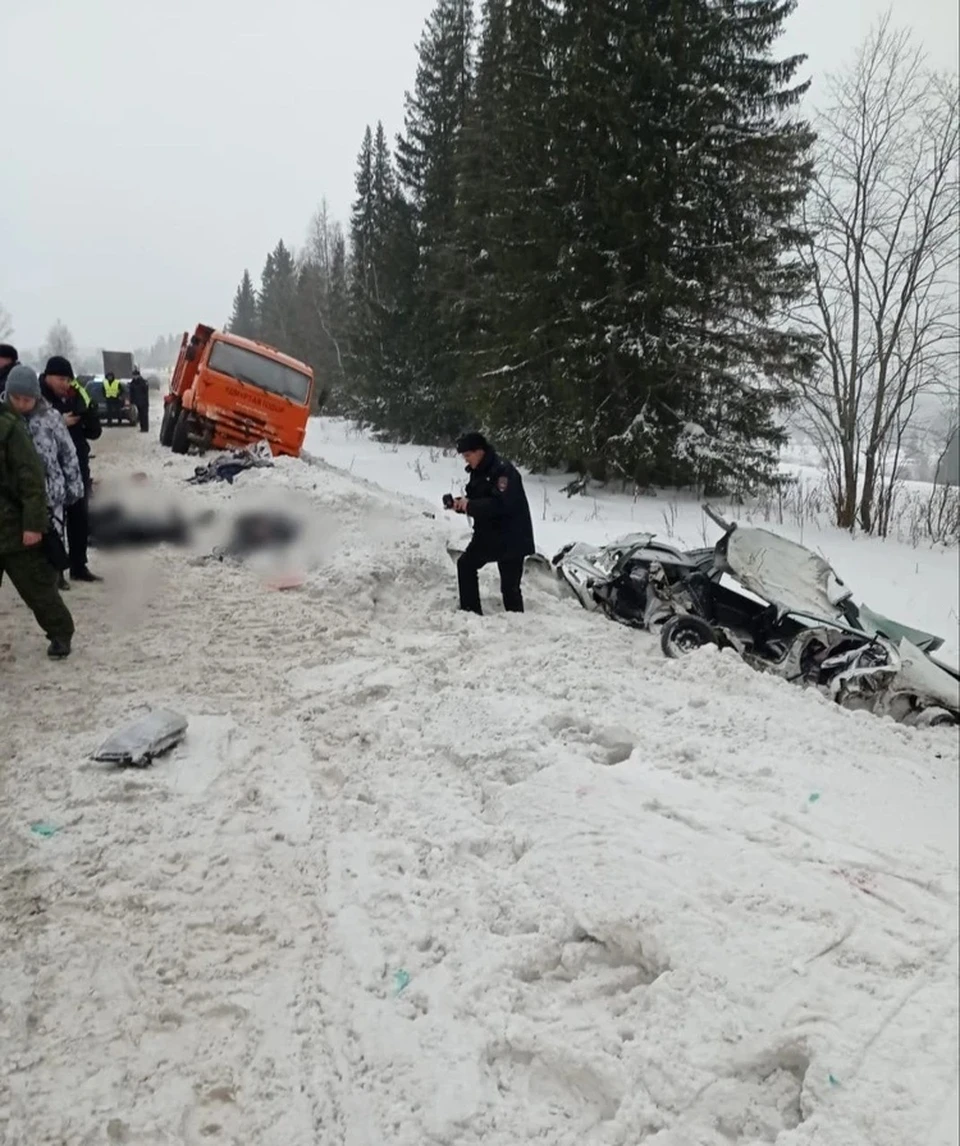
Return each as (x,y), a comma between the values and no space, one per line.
(59,341)
(6,324)
(322,300)
(883,261)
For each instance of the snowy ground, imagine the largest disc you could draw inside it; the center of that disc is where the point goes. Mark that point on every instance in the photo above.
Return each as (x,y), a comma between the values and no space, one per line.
(424,878)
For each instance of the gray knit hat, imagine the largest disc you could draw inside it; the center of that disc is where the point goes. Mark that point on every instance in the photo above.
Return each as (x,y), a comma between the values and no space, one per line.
(22,381)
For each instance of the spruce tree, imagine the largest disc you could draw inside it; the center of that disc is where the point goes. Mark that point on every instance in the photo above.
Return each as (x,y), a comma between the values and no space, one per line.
(383,179)
(278,299)
(363,216)
(427,157)
(380,283)
(510,198)
(481,178)
(244,320)
(681,174)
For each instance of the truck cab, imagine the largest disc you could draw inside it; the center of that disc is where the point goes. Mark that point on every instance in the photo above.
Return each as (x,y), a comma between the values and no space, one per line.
(227,392)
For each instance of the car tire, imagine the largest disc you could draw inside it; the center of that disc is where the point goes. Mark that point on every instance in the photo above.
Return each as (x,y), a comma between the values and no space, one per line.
(930,718)
(180,439)
(170,414)
(685,634)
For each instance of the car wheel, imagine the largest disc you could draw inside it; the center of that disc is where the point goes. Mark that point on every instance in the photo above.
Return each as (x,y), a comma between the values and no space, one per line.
(180,439)
(170,414)
(685,634)
(930,718)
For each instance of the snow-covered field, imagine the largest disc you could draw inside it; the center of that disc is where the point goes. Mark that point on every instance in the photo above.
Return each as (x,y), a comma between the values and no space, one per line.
(418,877)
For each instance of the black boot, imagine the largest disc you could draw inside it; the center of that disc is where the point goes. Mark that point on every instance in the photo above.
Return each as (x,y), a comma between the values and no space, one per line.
(62,583)
(84,575)
(57,649)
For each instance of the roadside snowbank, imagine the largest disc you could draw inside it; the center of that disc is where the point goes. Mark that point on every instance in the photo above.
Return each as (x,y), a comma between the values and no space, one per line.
(419,877)
(916,585)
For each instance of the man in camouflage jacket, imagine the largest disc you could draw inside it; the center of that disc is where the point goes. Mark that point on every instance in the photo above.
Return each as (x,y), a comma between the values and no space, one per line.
(24,519)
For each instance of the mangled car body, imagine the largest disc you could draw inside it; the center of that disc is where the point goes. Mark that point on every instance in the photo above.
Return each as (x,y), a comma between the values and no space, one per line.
(780,606)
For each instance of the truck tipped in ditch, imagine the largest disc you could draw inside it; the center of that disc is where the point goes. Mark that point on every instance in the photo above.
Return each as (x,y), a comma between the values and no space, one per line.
(228,392)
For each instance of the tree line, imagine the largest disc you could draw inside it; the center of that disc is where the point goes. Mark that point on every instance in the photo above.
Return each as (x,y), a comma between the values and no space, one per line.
(602,236)
(160,355)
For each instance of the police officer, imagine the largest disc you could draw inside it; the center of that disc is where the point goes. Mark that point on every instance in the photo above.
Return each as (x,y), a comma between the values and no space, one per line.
(502,526)
(111,392)
(140,398)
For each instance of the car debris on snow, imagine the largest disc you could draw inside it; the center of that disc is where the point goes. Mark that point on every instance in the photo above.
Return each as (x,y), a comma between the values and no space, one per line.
(227,466)
(139,743)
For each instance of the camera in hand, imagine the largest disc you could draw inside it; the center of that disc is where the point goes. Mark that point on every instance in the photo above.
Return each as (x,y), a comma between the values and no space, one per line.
(448,501)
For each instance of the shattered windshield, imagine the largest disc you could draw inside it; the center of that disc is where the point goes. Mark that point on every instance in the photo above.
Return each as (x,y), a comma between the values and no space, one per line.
(258,370)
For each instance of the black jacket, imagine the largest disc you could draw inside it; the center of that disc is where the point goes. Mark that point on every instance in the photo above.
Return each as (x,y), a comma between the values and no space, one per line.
(138,391)
(502,525)
(87,430)
(4,371)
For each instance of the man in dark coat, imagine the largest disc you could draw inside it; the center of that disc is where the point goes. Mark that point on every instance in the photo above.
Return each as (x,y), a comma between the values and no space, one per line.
(8,359)
(24,519)
(502,526)
(140,398)
(65,394)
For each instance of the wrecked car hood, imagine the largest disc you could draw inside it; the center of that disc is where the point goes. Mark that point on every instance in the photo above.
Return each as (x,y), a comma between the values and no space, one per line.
(792,578)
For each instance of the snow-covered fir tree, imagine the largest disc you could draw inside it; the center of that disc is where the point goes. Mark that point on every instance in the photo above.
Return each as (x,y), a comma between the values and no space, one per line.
(245,317)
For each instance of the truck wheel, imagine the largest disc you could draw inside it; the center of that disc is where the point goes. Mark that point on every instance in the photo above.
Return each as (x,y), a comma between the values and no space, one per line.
(180,440)
(170,414)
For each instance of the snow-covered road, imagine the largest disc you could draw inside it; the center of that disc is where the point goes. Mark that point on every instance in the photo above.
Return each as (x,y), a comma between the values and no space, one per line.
(424,878)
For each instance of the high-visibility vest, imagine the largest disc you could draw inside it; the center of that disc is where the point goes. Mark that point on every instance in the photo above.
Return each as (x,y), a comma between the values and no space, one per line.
(81,391)
(111,389)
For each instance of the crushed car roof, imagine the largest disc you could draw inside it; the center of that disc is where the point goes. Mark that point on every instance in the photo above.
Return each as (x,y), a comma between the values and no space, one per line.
(789,576)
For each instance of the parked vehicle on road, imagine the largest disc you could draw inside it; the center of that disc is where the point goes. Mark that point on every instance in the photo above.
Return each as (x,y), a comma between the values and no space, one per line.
(228,392)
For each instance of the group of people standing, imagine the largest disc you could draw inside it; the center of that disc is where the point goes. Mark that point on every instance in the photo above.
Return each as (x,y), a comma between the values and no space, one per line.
(46,425)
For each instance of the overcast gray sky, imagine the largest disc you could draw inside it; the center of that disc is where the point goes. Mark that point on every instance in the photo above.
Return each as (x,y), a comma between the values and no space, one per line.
(154,148)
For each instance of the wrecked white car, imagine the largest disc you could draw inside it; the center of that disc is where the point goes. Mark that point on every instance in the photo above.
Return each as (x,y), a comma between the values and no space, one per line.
(780,606)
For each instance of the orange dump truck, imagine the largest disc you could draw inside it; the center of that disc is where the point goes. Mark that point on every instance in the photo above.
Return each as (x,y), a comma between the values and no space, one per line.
(228,391)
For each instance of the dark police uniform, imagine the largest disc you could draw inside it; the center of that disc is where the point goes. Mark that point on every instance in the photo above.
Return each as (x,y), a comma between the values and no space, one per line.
(502,532)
